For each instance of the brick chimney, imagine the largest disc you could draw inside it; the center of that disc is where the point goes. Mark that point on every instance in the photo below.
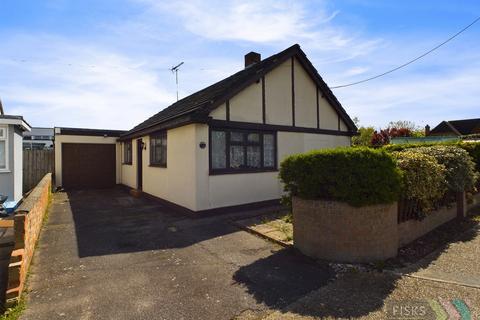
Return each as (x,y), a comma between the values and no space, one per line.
(427,130)
(251,58)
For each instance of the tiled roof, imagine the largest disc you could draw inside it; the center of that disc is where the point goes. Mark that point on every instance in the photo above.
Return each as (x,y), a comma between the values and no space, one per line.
(459,127)
(216,93)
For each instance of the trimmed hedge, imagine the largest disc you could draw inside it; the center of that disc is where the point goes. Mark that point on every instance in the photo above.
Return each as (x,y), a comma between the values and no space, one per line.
(357,176)
(423,179)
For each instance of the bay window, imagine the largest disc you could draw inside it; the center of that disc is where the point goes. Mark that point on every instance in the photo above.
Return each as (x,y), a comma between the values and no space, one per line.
(242,151)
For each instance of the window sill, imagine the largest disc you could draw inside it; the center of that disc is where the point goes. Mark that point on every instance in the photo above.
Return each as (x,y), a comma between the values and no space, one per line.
(158,165)
(240,171)
(127,163)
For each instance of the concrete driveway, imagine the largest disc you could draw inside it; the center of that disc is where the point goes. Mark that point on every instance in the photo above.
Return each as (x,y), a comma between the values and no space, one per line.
(106,255)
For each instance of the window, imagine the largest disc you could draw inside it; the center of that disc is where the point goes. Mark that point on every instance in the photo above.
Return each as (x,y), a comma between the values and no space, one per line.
(242,151)
(158,149)
(127,152)
(3,149)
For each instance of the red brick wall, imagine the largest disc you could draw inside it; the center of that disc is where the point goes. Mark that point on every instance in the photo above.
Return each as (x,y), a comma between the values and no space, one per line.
(28,221)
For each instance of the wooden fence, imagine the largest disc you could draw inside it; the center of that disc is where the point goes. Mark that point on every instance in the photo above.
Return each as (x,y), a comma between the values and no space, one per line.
(36,164)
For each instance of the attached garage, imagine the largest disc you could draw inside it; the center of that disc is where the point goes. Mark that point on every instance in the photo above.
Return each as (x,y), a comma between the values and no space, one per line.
(88,165)
(86,158)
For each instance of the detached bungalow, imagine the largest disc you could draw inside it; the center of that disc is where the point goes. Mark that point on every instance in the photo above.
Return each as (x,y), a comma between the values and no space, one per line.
(221,146)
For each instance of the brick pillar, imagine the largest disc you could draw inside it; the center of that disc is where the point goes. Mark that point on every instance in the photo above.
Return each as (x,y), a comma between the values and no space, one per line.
(461,205)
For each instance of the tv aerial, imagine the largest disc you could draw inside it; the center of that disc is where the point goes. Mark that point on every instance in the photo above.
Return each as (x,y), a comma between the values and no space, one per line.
(175,70)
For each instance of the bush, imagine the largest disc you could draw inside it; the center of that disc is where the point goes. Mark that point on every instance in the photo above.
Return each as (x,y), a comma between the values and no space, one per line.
(460,172)
(473,149)
(357,176)
(423,178)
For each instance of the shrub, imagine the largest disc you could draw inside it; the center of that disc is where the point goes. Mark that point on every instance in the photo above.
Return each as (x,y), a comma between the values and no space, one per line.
(364,136)
(473,149)
(357,176)
(423,178)
(383,137)
(460,172)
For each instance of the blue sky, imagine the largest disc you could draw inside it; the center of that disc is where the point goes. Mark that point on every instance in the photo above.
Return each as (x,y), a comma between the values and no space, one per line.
(104,64)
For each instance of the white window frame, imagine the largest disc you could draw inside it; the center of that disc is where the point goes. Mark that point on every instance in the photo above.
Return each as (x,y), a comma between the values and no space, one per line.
(4,137)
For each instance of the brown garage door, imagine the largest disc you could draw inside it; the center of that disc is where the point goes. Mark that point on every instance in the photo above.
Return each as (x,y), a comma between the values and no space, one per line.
(86,165)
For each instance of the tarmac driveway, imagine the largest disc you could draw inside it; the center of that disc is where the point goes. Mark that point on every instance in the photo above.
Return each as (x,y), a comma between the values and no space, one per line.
(106,255)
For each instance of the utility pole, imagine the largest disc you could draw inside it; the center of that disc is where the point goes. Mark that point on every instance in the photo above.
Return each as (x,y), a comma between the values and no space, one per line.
(175,70)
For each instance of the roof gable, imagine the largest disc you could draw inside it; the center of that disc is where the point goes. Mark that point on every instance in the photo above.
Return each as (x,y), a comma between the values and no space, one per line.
(458,127)
(197,106)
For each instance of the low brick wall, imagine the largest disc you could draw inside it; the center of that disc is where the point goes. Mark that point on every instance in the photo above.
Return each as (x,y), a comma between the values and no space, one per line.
(474,201)
(28,221)
(337,231)
(413,229)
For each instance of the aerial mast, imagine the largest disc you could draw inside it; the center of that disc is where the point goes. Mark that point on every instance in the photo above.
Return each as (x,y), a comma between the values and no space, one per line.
(175,70)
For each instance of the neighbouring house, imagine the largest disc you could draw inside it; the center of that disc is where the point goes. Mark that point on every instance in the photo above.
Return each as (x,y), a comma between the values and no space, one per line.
(455,128)
(221,146)
(38,139)
(11,157)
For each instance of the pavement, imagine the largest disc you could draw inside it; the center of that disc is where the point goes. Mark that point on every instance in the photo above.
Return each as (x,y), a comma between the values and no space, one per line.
(459,263)
(106,255)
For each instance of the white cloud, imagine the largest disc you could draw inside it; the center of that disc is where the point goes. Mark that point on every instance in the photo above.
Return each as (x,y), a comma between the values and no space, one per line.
(72,84)
(267,22)
(419,97)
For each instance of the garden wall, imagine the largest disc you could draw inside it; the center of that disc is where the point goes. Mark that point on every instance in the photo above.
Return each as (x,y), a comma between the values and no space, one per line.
(28,221)
(413,229)
(336,231)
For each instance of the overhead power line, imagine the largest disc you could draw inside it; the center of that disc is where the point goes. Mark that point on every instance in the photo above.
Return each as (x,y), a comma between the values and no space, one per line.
(409,62)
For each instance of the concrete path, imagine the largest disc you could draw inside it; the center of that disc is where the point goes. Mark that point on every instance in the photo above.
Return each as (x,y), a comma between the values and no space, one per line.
(106,255)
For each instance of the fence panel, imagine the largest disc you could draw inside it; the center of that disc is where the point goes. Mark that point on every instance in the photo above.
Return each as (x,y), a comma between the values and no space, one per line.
(36,164)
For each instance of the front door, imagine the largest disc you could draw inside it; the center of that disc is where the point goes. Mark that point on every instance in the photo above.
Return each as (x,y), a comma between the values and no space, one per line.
(139,164)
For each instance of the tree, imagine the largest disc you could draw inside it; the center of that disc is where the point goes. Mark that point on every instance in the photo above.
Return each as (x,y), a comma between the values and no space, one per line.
(383,137)
(364,136)
(406,124)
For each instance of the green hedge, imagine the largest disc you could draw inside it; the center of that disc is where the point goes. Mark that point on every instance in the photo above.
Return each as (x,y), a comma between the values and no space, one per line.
(473,149)
(460,172)
(358,176)
(423,178)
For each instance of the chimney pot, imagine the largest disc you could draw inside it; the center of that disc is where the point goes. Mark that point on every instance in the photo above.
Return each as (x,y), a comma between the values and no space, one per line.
(251,58)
